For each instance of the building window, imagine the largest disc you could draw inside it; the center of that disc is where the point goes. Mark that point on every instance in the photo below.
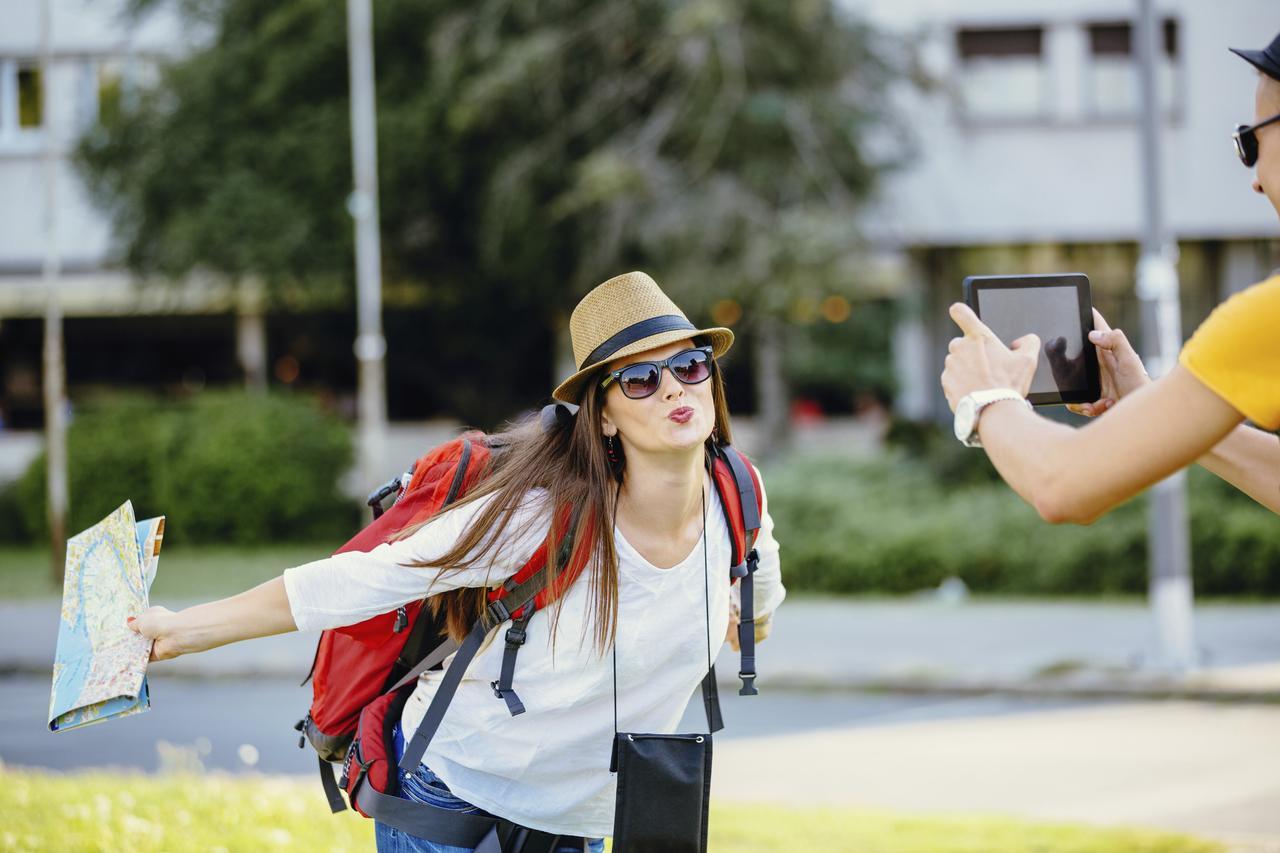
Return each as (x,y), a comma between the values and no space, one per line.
(1112,84)
(21,100)
(30,97)
(1002,73)
(109,88)
(109,83)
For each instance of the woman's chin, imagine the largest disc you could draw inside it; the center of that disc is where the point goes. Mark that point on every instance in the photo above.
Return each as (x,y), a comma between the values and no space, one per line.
(688,435)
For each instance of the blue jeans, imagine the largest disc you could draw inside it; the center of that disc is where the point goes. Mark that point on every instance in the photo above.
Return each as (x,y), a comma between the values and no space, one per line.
(423,786)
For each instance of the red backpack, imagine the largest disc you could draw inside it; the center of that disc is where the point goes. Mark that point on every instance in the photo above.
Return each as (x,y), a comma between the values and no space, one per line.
(363,673)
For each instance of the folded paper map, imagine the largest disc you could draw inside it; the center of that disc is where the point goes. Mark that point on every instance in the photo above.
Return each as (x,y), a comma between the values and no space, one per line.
(100,667)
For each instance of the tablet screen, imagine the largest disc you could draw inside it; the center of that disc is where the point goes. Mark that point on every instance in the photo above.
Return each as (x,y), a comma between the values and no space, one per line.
(1054,315)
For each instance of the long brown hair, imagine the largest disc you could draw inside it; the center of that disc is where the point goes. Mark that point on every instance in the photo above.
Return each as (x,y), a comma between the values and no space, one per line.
(572,465)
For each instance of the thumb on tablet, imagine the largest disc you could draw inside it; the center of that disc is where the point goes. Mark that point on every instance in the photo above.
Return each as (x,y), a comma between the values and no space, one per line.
(1029,343)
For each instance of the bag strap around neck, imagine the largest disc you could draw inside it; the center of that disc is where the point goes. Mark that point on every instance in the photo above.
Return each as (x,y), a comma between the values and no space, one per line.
(710,696)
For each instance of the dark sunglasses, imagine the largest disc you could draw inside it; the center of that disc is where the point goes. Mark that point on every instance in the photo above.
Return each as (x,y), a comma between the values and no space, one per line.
(1246,140)
(642,379)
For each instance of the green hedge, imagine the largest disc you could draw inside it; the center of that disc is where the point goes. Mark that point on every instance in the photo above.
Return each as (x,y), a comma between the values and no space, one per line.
(223,467)
(13,526)
(905,522)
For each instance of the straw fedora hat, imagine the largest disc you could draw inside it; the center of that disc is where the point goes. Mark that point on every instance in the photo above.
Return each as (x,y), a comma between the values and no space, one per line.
(626,315)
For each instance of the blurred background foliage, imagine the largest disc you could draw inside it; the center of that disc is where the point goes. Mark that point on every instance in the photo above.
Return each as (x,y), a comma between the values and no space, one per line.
(526,152)
(931,509)
(223,467)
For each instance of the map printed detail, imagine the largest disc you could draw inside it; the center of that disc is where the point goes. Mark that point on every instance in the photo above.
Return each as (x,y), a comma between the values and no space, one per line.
(100,667)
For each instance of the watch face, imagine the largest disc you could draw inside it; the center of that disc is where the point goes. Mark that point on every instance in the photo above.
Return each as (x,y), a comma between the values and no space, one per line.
(963,422)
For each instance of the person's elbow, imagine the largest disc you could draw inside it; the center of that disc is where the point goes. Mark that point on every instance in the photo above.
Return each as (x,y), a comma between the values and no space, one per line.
(1055,511)
(1058,504)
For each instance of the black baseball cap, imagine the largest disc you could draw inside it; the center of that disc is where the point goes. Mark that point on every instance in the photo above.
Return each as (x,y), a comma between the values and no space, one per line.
(1266,60)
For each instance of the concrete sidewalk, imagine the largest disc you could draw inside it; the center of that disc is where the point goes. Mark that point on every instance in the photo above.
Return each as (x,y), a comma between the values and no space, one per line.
(1042,648)
(1205,768)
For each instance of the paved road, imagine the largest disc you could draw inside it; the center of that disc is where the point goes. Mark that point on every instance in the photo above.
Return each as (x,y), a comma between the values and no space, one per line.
(904,644)
(829,640)
(211,720)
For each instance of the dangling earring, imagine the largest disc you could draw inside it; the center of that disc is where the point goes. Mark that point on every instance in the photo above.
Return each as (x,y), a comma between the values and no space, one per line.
(613,450)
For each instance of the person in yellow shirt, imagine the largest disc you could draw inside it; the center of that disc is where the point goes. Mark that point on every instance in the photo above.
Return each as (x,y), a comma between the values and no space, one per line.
(1229,371)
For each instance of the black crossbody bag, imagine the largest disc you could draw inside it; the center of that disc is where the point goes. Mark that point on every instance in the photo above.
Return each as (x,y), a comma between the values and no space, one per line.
(664,791)
(664,780)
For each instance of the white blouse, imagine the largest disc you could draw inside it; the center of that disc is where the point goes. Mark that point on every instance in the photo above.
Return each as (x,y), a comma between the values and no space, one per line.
(548,768)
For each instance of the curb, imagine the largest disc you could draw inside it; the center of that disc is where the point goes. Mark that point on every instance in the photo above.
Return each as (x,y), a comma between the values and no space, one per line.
(1195,688)
(1153,690)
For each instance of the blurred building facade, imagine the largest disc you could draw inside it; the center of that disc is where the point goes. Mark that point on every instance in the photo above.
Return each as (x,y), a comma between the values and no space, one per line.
(97,54)
(1024,157)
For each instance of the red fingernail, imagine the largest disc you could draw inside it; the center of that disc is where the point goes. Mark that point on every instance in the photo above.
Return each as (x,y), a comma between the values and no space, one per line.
(131,618)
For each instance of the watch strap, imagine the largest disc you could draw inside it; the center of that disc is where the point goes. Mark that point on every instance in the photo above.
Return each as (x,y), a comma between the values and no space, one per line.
(982,399)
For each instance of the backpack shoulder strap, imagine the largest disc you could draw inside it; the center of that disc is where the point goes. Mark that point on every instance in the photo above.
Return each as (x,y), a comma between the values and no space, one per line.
(742,499)
(743,502)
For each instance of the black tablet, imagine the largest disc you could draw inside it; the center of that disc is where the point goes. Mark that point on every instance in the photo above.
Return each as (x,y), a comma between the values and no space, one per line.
(1059,309)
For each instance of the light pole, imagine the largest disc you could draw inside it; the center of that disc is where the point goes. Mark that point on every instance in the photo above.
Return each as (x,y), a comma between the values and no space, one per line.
(370,345)
(55,417)
(1168,541)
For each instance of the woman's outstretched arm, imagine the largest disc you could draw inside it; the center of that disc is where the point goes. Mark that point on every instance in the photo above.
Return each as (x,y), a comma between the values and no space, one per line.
(259,612)
(346,588)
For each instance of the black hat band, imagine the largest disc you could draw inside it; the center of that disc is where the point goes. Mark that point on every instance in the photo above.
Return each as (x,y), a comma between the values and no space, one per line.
(635,332)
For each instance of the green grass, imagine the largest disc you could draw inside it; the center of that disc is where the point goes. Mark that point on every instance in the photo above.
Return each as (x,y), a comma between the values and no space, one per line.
(105,812)
(189,572)
(755,829)
(110,812)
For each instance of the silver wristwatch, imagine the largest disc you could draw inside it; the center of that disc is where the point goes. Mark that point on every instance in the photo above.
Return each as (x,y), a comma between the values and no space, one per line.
(970,407)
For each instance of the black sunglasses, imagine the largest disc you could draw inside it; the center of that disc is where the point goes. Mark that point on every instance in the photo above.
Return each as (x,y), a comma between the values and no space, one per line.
(1246,140)
(642,379)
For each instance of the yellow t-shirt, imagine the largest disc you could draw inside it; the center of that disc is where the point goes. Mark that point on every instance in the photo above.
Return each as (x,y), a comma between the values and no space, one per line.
(1236,352)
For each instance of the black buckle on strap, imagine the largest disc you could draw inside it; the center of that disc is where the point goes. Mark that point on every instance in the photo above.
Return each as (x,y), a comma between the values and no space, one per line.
(497,690)
(747,566)
(748,684)
(497,612)
(516,636)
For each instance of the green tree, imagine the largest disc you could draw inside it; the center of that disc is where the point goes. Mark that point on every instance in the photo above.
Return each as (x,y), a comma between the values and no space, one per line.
(527,150)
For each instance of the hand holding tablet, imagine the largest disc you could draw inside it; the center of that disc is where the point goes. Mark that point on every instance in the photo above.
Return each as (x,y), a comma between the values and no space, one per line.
(1059,310)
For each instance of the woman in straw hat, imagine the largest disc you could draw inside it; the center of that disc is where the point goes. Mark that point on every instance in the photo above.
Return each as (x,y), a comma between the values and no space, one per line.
(651,403)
